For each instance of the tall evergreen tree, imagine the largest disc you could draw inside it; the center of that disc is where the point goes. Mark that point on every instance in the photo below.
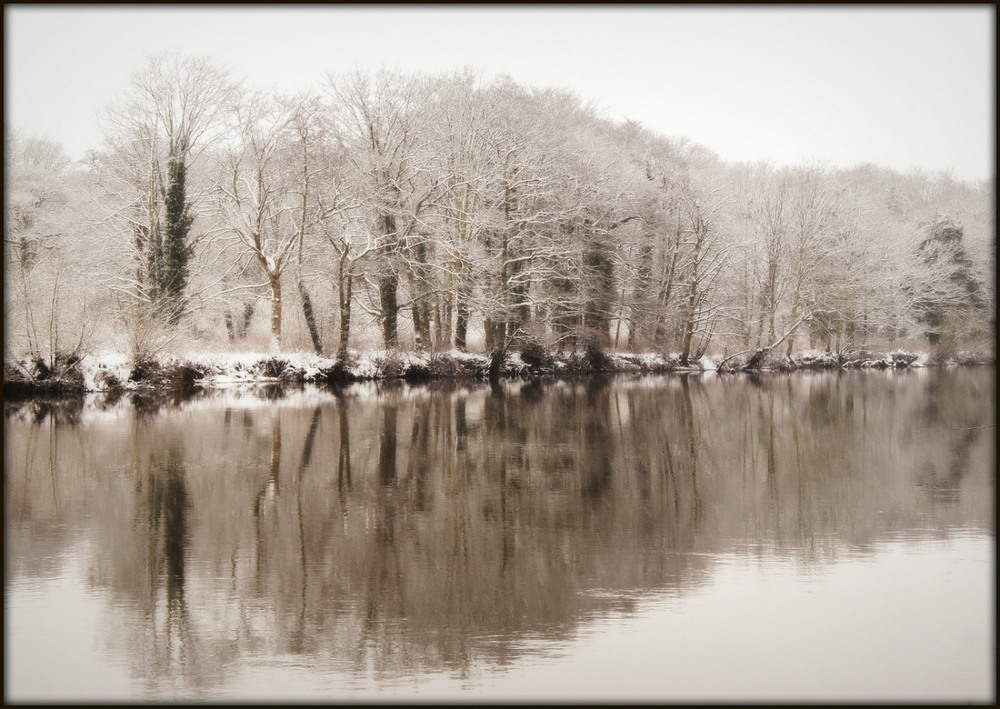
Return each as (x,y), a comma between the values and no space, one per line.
(154,133)
(952,290)
(172,277)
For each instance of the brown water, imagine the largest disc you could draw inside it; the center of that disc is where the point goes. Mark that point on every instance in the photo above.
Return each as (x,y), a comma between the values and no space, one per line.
(811,536)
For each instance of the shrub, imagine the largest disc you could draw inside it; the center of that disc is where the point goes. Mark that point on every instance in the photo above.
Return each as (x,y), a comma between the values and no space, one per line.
(107,380)
(902,359)
(146,370)
(272,367)
(415,371)
(534,354)
(594,358)
(446,366)
(182,378)
(389,366)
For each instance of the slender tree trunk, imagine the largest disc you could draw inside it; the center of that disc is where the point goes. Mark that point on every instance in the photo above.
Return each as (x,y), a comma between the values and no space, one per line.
(247,318)
(442,323)
(275,283)
(425,320)
(638,307)
(692,300)
(791,338)
(461,322)
(771,298)
(499,328)
(387,289)
(307,311)
(420,309)
(664,296)
(496,333)
(692,306)
(419,327)
(237,329)
(388,284)
(345,294)
(686,347)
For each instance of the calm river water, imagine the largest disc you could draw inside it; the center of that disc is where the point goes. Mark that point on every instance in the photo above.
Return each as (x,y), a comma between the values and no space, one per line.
(789,537)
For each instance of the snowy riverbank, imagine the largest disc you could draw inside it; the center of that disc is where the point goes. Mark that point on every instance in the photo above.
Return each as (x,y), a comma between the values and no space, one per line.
(114,372)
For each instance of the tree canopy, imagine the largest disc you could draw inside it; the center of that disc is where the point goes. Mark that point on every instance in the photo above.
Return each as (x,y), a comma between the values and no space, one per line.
(451,212)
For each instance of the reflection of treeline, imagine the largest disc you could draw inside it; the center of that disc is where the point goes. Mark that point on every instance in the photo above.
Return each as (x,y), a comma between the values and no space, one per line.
(428,526)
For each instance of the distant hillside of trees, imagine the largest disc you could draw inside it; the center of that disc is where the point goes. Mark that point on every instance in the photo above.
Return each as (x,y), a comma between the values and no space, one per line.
(429,213)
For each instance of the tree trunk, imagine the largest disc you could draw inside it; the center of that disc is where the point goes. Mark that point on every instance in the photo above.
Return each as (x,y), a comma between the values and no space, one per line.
(496,362)
(275,283)
(419,327)
(791,336)
(442,323)
(690,320)
(247,317)
(419,284)
(425,324)
(686,347)
(770,303)
(495,333)
(345,295)
(237,330)
(307,312)
(388,286)
(461,323)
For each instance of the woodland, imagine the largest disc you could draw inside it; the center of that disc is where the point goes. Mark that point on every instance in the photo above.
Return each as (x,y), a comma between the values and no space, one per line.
(395,212)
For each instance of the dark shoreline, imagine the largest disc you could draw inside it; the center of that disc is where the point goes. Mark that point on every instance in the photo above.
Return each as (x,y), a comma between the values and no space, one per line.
(28,380)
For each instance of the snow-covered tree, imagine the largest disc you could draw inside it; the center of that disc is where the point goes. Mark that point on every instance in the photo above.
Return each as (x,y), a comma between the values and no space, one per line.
(382,120)
(49,259)
(948,296)
(462,206)
(263,193)
(153,134)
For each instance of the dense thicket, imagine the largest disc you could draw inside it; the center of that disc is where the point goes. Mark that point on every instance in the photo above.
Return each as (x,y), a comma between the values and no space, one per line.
(440,212)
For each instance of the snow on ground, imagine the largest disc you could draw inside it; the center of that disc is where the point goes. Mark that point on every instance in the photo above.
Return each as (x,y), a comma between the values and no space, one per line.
(242,380)
(99,370)
(111,371)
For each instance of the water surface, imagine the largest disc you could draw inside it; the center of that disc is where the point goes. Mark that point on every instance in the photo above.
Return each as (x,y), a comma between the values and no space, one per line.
(788,537)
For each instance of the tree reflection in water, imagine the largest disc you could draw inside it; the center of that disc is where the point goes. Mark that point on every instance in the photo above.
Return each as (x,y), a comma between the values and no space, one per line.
(390,530)
(166,534)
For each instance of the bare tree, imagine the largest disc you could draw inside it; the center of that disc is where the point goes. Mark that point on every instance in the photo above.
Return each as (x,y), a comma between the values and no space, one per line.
(313,159)
(706,255)
(448,201)
(263,200)
(49,259)
(382,120)
(813,244)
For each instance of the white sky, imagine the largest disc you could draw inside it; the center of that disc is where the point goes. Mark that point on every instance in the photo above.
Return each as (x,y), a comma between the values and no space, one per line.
(902,86)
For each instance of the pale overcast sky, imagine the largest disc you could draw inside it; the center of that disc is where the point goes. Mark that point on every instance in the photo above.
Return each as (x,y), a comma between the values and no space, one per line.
(902,86)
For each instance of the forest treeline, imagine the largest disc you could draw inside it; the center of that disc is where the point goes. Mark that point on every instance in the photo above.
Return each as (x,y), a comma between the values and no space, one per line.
(400,211)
